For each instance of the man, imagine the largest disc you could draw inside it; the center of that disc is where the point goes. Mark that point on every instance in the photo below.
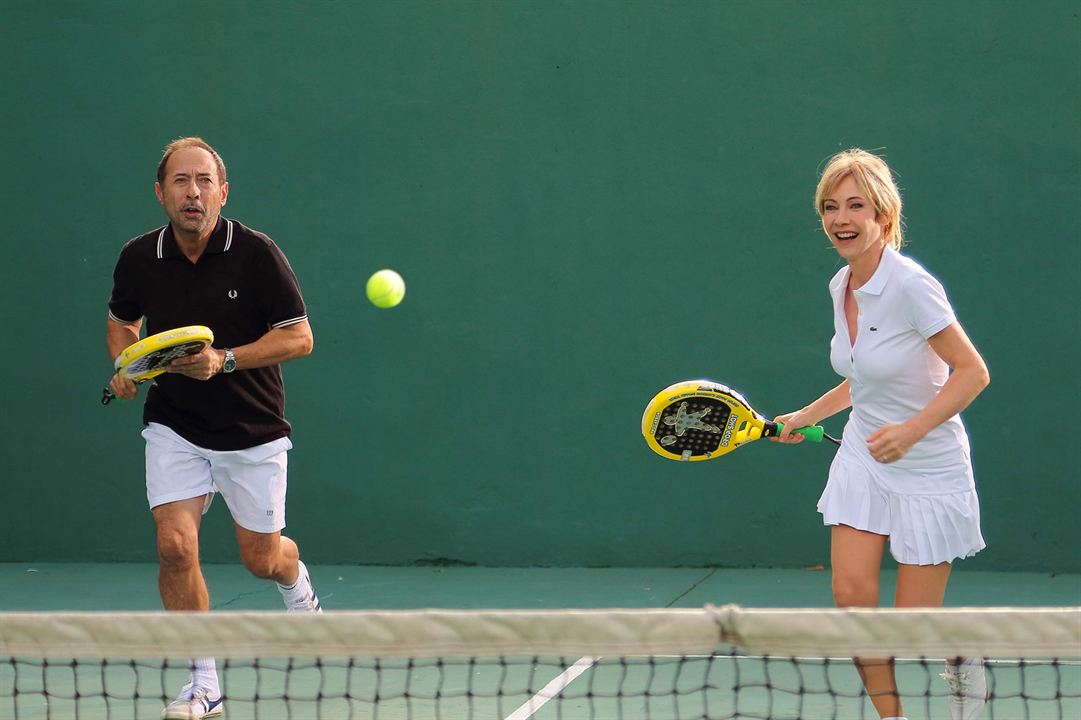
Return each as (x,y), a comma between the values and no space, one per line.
(215,421)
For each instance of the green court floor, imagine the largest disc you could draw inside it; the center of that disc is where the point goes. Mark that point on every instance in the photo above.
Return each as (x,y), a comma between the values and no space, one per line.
(663,688)
(30,586)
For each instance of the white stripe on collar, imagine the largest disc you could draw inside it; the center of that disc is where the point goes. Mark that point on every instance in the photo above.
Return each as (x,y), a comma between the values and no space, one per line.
(228,239)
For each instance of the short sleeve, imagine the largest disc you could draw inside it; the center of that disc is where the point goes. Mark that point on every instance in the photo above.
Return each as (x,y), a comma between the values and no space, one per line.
(283,302)
(125,305)
(926,307)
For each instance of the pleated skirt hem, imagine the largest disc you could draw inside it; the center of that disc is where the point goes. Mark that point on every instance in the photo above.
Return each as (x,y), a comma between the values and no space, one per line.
(923,529)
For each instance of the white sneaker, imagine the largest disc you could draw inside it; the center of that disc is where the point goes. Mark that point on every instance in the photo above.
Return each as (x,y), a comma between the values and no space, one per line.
(301,597)
(193,703)
(968,688)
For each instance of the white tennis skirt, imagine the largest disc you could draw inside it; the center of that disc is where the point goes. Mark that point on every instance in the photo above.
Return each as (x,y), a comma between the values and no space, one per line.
(924,529)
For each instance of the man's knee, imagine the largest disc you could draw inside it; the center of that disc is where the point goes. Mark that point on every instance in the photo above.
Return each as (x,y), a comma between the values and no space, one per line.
(177,526)
(178,548)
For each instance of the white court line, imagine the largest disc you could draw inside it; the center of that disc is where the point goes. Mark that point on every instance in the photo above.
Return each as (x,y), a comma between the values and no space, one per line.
(552,689)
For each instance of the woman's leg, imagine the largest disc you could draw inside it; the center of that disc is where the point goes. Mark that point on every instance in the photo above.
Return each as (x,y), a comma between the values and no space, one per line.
(856,559)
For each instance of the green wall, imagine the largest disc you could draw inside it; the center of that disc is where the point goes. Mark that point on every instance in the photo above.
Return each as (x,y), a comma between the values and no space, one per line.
(576,193)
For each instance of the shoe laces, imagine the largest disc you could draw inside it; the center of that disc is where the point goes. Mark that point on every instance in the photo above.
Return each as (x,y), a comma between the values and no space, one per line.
(191,691)
(187,692)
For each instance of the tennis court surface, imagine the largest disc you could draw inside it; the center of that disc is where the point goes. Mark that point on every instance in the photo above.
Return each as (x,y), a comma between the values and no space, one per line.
(672,651)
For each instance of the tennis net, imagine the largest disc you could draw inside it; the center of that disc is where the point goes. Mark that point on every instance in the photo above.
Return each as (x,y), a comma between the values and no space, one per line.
(671,664)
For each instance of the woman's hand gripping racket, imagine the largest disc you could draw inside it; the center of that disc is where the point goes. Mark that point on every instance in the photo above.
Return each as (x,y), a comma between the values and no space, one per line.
(149,357)
(700,420)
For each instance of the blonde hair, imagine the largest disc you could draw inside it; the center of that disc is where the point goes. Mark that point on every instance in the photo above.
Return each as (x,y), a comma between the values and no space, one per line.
(188,142)
(874,179)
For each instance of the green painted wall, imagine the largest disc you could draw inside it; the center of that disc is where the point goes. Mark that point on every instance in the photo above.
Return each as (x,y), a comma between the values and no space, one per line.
(576,193)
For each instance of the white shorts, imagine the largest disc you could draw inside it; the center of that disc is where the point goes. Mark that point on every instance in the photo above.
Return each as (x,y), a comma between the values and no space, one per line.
(252,481)
(924,529)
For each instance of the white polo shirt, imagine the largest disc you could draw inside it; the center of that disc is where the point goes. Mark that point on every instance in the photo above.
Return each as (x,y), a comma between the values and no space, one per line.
(894,373)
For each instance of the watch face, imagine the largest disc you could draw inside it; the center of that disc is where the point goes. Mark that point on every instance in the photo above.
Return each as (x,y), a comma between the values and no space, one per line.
(230,362)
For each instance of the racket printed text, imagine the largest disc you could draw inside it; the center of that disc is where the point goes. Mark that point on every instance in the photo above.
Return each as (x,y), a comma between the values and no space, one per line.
(729,429)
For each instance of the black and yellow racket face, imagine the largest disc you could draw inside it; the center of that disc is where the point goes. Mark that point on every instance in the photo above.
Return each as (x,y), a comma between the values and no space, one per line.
(148,357)
(699,420)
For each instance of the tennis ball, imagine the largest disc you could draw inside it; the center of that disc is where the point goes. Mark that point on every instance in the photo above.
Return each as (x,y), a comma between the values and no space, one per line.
(385,289)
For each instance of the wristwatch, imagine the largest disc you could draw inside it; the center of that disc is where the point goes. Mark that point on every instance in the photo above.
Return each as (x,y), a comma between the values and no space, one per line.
(230,361)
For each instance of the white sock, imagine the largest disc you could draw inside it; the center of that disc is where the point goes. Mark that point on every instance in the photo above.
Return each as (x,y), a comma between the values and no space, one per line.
(290,590)
(204,673)
(895,717)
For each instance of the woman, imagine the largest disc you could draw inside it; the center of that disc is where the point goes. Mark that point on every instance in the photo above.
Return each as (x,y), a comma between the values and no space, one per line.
(902,473)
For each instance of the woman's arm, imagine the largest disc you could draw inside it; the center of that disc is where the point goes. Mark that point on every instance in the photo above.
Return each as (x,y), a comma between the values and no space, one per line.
(831,403)
(968,378)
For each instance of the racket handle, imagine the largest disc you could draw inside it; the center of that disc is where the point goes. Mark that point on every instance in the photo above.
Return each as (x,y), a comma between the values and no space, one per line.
(814,433)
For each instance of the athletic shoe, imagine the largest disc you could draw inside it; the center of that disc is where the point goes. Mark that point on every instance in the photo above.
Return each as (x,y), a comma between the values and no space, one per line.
(301,597)
(193,703)
(968,688)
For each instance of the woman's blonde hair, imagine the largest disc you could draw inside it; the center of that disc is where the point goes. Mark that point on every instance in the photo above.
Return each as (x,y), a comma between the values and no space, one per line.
(875,180)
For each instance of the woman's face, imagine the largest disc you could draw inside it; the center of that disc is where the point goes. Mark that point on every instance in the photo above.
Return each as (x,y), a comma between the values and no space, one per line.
(851,223)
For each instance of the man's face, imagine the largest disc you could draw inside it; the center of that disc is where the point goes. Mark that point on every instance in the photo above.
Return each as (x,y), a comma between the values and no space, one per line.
(191,192)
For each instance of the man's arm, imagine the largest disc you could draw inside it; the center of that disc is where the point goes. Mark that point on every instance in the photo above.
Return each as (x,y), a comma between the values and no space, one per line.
(277,346)
(118,336)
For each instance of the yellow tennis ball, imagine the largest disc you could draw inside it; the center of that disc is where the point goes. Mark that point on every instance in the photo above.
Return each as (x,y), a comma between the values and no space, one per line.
(385,289)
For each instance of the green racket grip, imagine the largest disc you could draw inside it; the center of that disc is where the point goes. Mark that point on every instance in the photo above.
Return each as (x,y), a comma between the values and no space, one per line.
(814,433)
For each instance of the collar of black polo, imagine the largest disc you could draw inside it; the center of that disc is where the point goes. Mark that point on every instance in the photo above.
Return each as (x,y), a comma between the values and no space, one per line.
(220,240)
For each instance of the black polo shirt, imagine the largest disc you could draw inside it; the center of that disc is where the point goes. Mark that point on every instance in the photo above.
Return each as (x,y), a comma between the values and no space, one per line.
(241,287)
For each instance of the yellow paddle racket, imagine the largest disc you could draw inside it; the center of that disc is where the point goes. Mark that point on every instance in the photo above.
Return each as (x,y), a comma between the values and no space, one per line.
(147,358)
(700,420)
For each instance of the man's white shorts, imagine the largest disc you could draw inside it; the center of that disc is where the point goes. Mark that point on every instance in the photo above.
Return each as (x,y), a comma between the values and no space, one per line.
(252,481)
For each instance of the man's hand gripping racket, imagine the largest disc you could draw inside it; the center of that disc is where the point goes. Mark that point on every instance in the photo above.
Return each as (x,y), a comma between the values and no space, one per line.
(700,420)
(150,357)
